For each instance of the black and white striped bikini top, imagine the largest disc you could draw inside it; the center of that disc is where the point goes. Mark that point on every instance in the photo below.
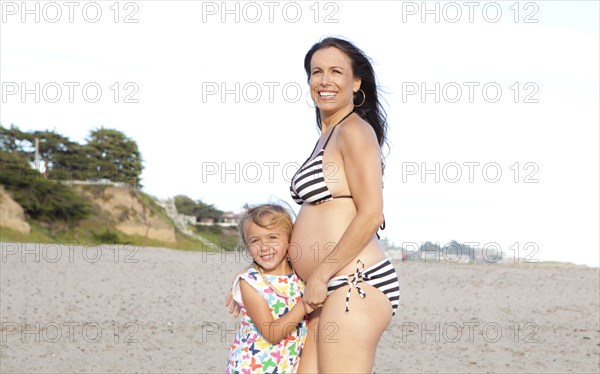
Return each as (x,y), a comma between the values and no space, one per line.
(308,184)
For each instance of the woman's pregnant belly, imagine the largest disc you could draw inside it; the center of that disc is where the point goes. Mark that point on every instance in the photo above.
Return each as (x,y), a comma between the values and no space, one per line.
(317,230)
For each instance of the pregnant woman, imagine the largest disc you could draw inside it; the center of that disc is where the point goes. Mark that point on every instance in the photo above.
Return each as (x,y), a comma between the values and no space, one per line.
(352,289)
(350,284)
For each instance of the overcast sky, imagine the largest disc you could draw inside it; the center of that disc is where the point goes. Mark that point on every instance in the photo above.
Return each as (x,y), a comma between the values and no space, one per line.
(493,106)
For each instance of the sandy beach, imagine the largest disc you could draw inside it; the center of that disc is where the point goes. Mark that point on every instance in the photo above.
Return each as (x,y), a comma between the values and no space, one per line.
(122,309)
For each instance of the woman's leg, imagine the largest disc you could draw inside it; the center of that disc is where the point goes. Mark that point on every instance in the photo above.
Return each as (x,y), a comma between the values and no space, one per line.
(348,341)
(308,359)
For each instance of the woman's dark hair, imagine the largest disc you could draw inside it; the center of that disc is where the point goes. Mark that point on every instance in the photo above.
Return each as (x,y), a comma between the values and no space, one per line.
(372,110)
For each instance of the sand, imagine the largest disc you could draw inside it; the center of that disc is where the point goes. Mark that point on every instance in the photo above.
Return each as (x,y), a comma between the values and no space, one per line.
(124,309)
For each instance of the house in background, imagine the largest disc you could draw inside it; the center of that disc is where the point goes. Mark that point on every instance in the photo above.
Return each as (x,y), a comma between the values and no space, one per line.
(205,221)
(228,219)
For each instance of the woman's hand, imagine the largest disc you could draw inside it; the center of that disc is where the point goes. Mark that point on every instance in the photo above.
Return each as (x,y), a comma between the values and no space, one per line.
(315,292)
(233,306)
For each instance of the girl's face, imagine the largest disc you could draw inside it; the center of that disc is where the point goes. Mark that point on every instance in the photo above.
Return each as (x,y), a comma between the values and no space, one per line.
(268,247)
(332,82)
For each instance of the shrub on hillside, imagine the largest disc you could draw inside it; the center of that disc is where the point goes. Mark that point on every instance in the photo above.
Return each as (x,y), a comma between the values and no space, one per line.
(42,199)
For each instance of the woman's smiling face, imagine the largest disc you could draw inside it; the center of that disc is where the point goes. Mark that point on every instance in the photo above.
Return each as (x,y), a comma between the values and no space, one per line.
(332,82)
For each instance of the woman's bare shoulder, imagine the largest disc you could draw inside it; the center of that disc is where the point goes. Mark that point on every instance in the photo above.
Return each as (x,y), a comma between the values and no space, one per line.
(356,131)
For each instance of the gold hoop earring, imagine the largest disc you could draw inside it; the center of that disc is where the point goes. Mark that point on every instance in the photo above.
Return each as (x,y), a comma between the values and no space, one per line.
(363,100)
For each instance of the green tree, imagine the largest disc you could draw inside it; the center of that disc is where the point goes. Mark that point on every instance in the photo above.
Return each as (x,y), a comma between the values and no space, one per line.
(63,159)
(187,206)
(41,199)
(207,211)
(13,140)
(184,205)
(112,155)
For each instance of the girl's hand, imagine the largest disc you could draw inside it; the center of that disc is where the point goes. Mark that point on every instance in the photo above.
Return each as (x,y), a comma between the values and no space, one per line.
(229,302)
(307,309)
(315,293)
(233,306)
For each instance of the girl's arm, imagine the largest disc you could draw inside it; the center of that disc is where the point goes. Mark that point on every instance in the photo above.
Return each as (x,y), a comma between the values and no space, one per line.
(273,330)
(232,304)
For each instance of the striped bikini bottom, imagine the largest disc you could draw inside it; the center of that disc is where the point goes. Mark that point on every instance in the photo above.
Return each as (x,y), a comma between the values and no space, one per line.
(381,275)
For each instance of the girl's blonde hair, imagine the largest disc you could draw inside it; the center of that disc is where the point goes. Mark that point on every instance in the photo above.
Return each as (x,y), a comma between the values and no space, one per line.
(266,216)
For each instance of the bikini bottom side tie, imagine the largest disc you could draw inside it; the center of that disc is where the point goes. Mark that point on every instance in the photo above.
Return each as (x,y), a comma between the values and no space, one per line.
(381,275)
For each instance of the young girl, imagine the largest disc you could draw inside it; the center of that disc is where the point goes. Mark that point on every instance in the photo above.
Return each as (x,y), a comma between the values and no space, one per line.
(273,326)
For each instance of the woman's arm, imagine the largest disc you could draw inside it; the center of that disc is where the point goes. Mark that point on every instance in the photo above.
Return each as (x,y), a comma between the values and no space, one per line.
(273,330)
(361,155)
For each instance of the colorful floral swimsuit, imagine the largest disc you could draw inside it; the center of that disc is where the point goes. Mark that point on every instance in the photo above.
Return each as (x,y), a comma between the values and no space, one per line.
(250,352)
